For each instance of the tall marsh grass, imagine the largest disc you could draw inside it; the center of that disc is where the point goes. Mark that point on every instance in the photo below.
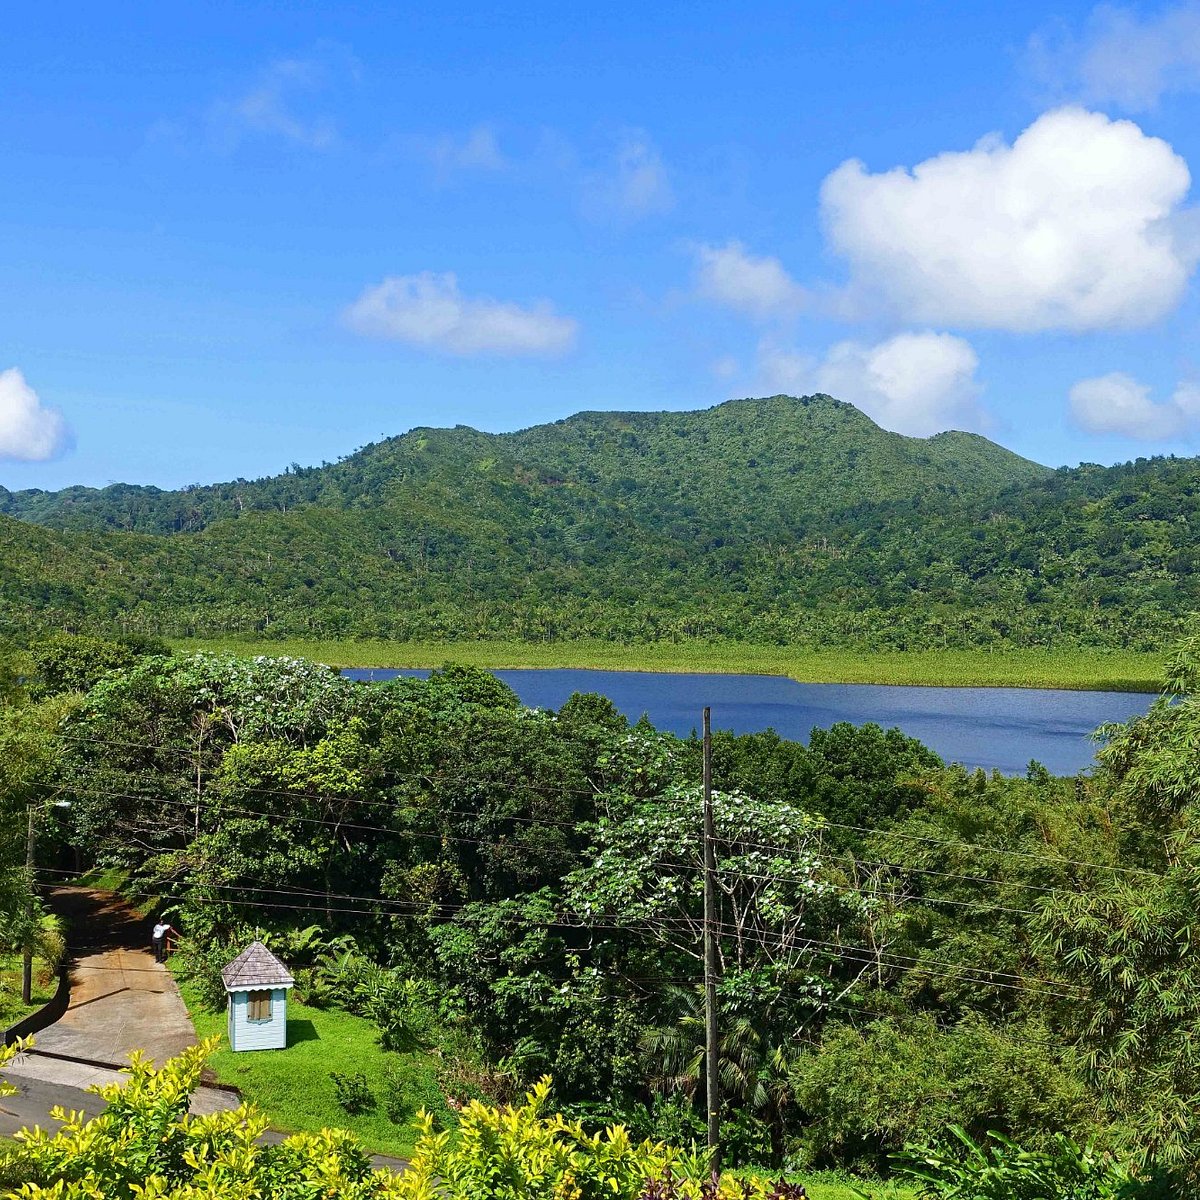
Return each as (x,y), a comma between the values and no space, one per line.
(1088,669)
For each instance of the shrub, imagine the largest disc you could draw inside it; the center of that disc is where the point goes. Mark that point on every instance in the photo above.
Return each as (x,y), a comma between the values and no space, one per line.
(201,963)
(520,1154)
(353,1092)
(408,1086)
(144,1144)
(959,1168)
(868,1093)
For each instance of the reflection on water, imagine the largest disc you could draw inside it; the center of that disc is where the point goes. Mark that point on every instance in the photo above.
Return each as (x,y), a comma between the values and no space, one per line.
(1000,728)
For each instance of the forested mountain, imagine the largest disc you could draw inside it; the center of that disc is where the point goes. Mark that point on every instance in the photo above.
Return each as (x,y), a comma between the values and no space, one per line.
(779,462)
(777,520)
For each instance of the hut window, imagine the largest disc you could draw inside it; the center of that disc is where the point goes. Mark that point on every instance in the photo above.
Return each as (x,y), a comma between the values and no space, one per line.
(258,1006)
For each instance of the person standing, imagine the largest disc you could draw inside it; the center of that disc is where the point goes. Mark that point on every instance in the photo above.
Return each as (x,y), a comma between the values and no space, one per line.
(159,939)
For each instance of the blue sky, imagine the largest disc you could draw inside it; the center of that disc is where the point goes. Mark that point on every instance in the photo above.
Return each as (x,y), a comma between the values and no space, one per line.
(234,237)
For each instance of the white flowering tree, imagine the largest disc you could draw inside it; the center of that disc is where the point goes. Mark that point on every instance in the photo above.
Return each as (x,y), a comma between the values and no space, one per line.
(647,873)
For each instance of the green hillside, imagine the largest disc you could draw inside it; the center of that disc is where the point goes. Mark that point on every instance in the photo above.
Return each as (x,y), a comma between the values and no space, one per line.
(792,521)
(800,457)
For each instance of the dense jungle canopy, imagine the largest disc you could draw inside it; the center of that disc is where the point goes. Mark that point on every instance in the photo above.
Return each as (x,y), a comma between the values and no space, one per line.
(903,945)
(789,521)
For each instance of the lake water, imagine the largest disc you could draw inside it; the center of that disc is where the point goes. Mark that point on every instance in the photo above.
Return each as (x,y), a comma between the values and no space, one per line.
(993,728)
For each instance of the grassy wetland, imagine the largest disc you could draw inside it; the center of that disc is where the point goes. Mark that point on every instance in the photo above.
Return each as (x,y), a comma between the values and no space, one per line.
(1076,669)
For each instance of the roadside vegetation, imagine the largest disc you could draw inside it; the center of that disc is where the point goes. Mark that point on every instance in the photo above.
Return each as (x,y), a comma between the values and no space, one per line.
(923,970)
(45,983)
(144,1144)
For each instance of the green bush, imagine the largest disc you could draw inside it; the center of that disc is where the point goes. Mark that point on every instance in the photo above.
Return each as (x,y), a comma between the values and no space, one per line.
(518,1153)
(353,1092)
(959,1168)
(200,962)
(144,1145)
(865,1094)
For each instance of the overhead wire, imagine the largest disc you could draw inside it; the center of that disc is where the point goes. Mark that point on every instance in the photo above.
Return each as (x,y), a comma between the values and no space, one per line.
(383,906)
(436,777)
(776,877)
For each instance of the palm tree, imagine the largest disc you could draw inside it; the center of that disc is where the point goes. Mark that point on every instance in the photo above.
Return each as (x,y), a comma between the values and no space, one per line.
(754,1064)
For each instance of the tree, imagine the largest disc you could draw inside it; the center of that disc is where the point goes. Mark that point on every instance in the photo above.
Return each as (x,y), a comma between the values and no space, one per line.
(1129,946)
(73,662)
(29,754)
(646,869)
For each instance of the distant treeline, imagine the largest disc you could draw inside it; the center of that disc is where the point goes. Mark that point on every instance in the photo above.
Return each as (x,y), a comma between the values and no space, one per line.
(778,521)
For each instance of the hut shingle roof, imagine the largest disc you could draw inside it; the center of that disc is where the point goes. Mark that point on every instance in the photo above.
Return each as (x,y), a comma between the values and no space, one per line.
(255,967)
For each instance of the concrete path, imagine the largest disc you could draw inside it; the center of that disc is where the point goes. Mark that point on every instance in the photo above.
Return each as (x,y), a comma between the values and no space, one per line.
(121,1000)
(30,1106)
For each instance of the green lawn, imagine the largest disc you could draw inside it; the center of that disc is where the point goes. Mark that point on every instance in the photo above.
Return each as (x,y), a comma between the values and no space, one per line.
(44,987)
(1111,670)
(823,1186)
(294,1088)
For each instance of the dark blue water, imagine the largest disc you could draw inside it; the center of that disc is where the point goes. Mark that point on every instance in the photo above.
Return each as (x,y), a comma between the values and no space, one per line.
(993,728)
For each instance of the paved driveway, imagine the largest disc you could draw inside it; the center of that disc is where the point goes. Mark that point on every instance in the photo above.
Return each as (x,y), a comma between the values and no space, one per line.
(121,999)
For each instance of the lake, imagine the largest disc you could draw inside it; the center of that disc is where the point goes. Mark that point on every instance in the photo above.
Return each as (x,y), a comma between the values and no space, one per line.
(993,728)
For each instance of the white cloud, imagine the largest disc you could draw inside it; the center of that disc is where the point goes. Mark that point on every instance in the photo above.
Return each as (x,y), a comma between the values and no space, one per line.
(429,311)
(636,185)
(1074,226)
(1187,400)
(761,287)
(1118,403)
(477,151)
(782,370)
(275,106)
(914,383)
(29,430)
(1124,58)
(725,367)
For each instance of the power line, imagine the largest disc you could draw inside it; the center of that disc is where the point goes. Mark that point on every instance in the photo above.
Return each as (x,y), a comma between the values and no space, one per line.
(977,906)
(221,805)
(435,778)
(382,906)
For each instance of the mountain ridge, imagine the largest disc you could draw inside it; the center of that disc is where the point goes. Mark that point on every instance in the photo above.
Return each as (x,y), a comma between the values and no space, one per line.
(791,521)
(147,508)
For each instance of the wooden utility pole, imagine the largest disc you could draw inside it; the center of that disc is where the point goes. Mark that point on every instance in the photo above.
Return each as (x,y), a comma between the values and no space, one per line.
(711,1046)
(27,964)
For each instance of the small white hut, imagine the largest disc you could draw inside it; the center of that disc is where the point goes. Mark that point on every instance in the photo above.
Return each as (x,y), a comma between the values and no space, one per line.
(257,985)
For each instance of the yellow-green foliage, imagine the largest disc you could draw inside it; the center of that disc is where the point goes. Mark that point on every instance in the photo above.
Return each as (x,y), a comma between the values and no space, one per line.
(518,1154)
(146,1146)
(7,1054)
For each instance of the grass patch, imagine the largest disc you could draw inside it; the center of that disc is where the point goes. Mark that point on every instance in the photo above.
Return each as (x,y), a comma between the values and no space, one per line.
(103,879)
(1102,670)
(294,1088)
(45,984)
(833,1185)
